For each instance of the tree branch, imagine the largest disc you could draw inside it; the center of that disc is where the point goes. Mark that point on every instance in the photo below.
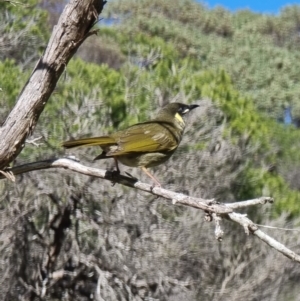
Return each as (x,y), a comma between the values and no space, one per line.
(207,205)
(73,27)
(214,209)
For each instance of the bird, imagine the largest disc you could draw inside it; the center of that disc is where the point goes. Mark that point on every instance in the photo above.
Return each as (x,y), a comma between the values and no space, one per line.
(145,144)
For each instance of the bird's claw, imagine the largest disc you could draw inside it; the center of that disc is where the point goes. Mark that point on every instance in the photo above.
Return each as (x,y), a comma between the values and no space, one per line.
(114,174)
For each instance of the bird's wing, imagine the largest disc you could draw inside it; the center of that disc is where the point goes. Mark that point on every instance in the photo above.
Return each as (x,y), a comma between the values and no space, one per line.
(142,138)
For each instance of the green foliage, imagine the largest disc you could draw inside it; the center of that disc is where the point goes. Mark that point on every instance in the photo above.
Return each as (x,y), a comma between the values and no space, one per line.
(11,82)
(24,30)
(259,52)
(10,85)
(18,16)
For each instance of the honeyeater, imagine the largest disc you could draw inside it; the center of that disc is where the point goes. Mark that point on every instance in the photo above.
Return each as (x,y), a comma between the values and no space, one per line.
(144,144)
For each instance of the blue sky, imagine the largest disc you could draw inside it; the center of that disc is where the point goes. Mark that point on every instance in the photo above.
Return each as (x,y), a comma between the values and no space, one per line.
(261,6)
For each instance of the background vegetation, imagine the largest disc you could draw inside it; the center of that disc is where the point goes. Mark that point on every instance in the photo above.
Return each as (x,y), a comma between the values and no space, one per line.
(73,235)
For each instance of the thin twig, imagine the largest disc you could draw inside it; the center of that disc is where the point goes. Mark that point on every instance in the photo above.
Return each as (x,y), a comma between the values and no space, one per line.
(33,141)
(277,228)
(259,201)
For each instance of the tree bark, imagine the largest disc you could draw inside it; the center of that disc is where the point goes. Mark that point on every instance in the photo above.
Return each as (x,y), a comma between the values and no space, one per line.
(72,29)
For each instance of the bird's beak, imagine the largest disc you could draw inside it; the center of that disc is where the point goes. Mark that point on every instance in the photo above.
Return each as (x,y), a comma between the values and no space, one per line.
(192,107)
(189,108)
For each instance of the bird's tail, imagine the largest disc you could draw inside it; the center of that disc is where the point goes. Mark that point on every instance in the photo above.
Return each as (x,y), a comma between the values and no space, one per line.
(101,141)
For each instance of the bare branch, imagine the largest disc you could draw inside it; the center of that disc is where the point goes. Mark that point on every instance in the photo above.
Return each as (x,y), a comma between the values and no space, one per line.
(206,205)
(8,175)
(33,141)
(217,210)
(260,201)
(219,233)
(250,226)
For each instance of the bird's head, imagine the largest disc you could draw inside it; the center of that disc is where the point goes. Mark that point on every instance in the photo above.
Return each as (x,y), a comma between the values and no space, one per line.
(175,110)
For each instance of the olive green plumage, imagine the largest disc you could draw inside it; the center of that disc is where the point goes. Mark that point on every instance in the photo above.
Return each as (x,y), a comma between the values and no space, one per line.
(145,144)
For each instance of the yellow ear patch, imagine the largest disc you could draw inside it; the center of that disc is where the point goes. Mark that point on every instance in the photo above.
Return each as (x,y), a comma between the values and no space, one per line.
(178,117)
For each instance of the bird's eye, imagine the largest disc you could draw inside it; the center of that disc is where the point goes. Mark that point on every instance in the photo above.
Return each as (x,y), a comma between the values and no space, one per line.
(183,110)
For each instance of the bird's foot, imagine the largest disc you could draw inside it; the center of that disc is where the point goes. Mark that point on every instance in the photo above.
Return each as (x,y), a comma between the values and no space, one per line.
(114,174)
